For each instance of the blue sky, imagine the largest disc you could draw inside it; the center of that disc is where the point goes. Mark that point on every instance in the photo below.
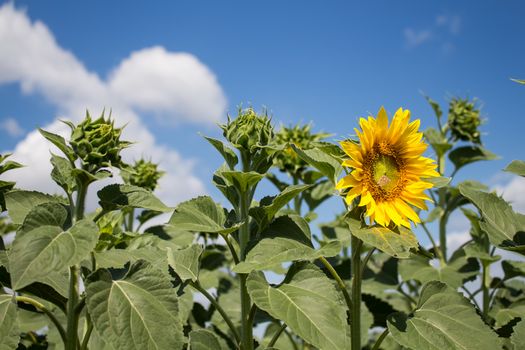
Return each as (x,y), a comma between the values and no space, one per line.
(327,62)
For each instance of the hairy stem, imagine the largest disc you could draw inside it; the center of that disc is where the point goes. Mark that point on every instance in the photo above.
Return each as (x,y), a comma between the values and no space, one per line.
(339,281)
(356,293)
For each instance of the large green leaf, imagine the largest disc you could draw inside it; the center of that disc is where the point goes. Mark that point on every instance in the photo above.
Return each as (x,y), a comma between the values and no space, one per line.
(42,251)
(462,156)
(518,336)
(201,214)
(9,333)
(21,202)
(444,319)
(138,312)
(269,206)
(395,243)
(62,173)
(185,262)
(308,303)
(118,258)
(286,239)
(60,143)
(203,339)
(517,167)
(499,221)
(117,196)
(326,164)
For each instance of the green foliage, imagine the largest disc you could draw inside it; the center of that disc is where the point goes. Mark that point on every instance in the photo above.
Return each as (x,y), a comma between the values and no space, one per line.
(9,332)
(143,174)
(464,120)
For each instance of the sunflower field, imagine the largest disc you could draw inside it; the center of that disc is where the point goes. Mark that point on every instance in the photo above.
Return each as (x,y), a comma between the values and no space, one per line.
(251,270)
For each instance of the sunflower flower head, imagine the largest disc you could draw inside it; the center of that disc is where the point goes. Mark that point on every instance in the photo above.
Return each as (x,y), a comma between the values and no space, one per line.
(388,169)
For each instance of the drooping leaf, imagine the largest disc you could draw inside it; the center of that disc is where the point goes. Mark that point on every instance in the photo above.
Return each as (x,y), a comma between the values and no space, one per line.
(60,143)
(21,202)
(185,262)
(462,156)
(516,167)
(242,180)
(395,243)
(444,319)
(227,153)
(308,303)
(118,196)
(203,339)
(138,312)
(264,213)
(41,251)
(9,331)
(286,239)
(201,214)
(502,225)
(323,162)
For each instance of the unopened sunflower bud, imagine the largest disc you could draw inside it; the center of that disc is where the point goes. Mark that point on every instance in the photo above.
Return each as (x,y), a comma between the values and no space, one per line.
(249,130)
(143,174)
(464,120)
(97,142)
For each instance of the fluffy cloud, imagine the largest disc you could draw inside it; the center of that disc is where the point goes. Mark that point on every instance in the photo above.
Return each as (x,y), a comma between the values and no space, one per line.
(176,86)
(514,192)
(415,38)
(11,127)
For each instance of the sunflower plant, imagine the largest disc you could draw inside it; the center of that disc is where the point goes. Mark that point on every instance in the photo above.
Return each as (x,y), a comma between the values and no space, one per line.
(254,269)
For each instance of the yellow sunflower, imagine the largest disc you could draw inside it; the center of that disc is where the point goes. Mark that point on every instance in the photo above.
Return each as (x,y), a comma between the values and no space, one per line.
(388,169)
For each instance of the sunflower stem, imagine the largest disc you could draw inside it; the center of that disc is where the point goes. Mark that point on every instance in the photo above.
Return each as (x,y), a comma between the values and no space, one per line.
(356,293)
(339,280)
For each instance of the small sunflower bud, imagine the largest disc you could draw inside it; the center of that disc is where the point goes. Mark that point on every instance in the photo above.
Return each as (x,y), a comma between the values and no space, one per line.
(143,174)
(301,136)
(248,131)
(464,120)
(97,142)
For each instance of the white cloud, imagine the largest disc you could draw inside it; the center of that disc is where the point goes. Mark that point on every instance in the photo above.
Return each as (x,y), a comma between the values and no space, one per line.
(177,86)
(11,126)
(450,22)
(514,192)
(415,38)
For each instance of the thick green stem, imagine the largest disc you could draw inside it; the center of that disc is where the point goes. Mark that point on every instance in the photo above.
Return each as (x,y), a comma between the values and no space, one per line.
(443,233)
(486,288)
(52,317)
(276,335)
(72,317)
(356,293)
(339,281)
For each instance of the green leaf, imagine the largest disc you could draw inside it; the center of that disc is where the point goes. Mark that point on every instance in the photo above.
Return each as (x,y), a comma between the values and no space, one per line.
(242,180)
(118,258)
(516,167)
(444,319)
(435,106)
(113,197)
(201,214)
(326,164)
(39,251)
(286,239)
(282,343)
(437,141)
(395,243)
(185,262)
(462,156)
(519,81)
(21,202)
(502,225)
(518,336)
(265,213)
(62,173)
(203,339)
(513,268)
(227,153)
(60,143)
(138,312)
(475,250)
(9,332)
(308,303)
(434,214)
(438,182)
(455,273)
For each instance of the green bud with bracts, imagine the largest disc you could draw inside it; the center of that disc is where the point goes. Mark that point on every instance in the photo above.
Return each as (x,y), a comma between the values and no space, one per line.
(249,131)
(143,174)
(464,120)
